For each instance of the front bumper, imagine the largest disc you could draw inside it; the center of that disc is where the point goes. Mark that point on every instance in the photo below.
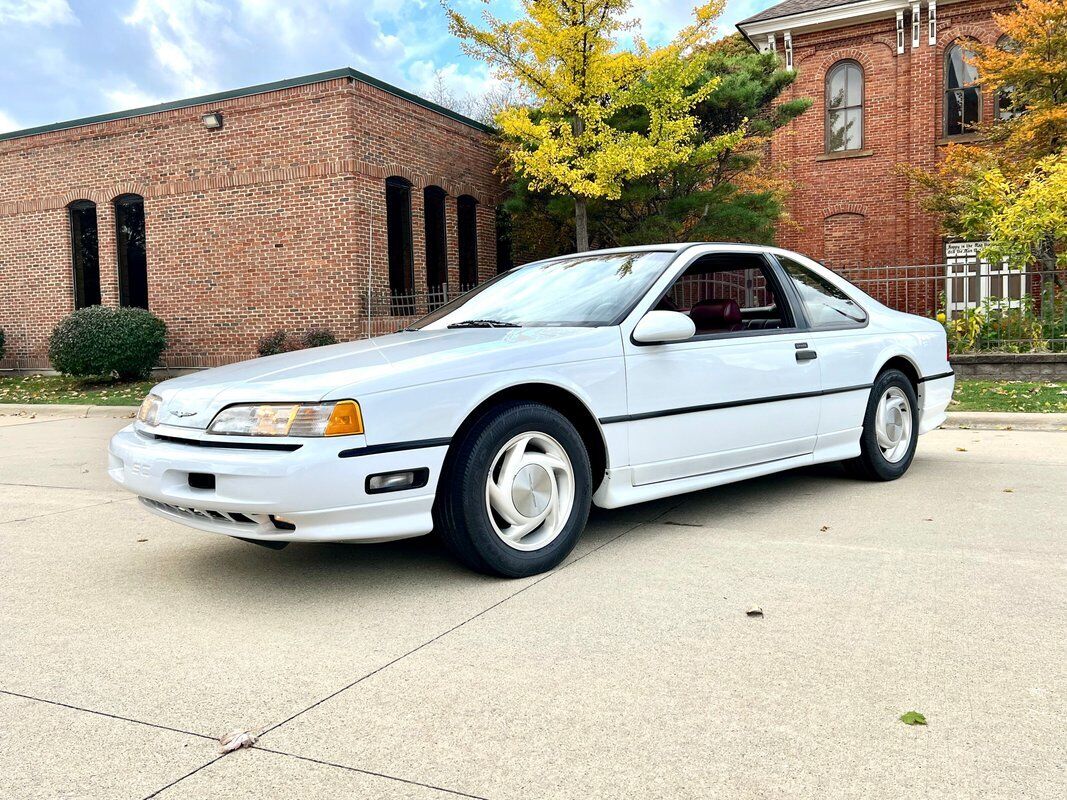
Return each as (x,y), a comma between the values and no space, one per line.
(322,495)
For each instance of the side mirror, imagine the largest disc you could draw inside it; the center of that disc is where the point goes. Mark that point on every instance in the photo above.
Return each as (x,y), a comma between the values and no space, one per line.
(657,327)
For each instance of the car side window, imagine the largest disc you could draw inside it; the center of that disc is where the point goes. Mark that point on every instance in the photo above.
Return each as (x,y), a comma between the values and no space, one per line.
(727,293)
(824,303)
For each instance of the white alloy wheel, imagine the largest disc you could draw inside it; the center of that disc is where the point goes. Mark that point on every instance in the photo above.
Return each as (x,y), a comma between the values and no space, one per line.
(529,491)
(892,424)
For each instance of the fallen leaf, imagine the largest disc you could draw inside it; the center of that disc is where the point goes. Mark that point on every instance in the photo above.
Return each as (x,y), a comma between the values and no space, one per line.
(928,519)
(142,540)
(235,740)
(1009,491)
(913,718)
(755,611)
(824,528)
(961,449)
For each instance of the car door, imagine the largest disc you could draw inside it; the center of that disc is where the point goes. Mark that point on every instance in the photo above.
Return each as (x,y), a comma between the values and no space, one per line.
(744,390)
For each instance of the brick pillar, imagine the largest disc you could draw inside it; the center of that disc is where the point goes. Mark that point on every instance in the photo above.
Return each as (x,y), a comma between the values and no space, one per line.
(418,245)
(486,220)
(452,244)
(109,269)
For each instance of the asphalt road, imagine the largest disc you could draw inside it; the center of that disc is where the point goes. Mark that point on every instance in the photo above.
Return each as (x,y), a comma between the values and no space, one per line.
(129,644)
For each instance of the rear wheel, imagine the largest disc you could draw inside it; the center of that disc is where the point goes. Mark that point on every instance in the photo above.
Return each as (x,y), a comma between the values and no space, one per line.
(890,429)
(516,495)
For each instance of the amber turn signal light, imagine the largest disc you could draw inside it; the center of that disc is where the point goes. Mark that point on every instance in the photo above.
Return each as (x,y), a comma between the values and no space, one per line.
(345,420)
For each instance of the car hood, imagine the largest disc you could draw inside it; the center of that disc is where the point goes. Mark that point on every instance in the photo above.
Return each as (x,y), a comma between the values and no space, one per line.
(355,369)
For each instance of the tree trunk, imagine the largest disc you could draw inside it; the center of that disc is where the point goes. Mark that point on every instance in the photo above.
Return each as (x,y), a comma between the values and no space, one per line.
(1045,255)
(581,225)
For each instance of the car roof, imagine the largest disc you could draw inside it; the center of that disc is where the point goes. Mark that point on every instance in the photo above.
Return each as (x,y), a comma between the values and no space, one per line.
(666,247)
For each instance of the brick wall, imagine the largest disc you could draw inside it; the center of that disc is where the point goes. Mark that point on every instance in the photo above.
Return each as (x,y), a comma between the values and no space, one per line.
(853,209)
(276,220)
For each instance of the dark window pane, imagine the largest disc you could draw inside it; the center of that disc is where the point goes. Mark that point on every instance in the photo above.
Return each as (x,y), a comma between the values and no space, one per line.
(467,229)
(436,238)
(398,233)
(824,303)
(953,113)
(505,260)
(130,244)
(971,108)
(85,254)
(963,98)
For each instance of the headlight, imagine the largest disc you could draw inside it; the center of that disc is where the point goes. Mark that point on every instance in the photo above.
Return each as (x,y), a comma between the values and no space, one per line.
(339,418)
(148,413)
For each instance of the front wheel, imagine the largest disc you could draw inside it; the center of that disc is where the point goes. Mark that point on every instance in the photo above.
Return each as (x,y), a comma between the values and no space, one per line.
(517,492)
(890,429)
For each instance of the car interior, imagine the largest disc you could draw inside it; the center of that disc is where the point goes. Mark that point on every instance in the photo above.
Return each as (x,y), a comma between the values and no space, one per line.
(726,293)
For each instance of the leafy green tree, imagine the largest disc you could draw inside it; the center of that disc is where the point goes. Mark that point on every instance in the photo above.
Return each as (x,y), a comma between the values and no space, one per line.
(726,193)
(566,55)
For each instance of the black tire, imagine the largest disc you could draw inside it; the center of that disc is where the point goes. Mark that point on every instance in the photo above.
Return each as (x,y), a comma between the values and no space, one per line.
(871,465)
(463,519)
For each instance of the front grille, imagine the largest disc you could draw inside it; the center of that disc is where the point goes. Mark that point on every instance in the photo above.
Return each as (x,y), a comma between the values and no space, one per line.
(222,517)
(237,444)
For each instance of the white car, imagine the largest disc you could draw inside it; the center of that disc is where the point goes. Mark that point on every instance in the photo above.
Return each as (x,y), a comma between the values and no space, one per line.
(610,377)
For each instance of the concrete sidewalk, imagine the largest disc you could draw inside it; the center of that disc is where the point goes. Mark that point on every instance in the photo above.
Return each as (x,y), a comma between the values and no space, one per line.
(131,643)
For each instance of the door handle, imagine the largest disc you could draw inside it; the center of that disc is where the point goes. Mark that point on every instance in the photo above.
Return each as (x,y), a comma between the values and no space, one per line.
(806,355)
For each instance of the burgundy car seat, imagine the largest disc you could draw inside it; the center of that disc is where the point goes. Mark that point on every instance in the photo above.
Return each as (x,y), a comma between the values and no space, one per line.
(716,316)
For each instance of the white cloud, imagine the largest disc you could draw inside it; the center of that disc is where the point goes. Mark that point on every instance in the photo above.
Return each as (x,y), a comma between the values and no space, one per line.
(184,35)
(128,95)
(7,123)
(36,12)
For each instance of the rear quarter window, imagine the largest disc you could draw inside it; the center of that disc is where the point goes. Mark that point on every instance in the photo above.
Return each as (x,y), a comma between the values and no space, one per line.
(825,304)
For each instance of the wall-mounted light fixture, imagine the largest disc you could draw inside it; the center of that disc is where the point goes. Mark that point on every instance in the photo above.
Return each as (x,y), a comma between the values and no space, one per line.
(212,120)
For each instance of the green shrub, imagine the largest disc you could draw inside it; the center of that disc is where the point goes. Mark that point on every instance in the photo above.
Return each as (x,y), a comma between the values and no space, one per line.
(100,341)
(274,343)
(319,337)
(281,342)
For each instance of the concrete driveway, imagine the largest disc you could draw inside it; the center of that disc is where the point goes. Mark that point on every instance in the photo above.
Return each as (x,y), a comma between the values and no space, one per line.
(130,644)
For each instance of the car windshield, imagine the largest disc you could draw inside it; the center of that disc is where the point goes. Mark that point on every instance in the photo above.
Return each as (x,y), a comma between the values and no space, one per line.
(576,291)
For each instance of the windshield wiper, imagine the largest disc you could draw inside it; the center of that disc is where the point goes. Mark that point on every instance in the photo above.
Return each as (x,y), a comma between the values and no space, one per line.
(483,323)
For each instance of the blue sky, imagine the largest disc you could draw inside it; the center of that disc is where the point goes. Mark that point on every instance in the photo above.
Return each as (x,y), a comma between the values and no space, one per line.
(63,59)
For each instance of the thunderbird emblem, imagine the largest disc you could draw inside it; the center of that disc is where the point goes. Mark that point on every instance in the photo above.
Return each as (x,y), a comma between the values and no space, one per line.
(181,413)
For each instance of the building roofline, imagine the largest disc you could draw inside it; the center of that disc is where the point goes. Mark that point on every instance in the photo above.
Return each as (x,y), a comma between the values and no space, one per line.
(836,15)
(262,88)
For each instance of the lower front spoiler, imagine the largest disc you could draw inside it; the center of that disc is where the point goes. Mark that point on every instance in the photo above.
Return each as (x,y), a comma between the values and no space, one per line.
(383,521)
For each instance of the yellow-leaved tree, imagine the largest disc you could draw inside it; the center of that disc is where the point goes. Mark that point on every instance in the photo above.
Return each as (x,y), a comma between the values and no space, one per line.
(1010,187)
(573,138)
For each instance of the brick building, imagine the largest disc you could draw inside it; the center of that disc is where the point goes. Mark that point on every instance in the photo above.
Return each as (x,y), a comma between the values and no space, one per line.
(284,205)
(890,87)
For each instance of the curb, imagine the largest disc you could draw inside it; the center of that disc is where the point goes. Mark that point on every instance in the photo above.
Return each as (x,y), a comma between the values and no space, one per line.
(64,410)
(1002,421)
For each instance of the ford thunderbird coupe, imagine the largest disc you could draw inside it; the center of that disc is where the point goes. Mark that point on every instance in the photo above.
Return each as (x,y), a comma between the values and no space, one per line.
(608,378)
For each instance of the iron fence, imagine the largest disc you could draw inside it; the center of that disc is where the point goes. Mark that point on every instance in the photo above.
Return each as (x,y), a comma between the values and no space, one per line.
(984,307)
(387,310)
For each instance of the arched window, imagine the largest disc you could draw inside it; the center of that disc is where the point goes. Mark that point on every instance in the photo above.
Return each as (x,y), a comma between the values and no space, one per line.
(844,107)
(963,96)
(1006,108)
(130,250)
(85,253)
(467,230)
(433,210)
(398,233)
